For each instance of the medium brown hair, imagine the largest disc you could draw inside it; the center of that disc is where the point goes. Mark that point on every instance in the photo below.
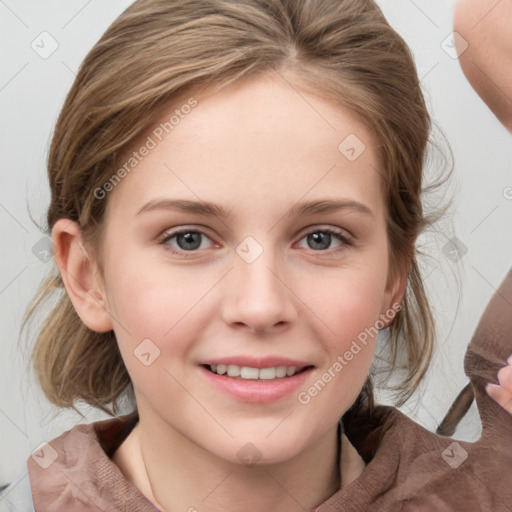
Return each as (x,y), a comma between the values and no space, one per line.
(343,51)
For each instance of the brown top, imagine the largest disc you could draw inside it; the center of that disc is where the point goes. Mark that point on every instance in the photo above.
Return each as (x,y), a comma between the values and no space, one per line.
(407,467)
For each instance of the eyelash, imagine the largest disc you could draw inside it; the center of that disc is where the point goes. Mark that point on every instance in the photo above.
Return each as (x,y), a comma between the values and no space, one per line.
(166,237)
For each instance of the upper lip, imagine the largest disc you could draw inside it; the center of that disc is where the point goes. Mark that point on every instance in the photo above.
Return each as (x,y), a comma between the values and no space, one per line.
(257,362)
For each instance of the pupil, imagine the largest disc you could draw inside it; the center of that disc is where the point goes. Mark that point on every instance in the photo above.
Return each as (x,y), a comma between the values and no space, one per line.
(319,237)
(192,240)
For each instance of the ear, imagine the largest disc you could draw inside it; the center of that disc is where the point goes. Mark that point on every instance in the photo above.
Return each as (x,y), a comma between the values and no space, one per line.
(80,275)
(394,293)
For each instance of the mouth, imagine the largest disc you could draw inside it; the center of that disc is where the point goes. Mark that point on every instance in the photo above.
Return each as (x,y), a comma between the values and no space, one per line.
(238,372)
(256,379)
(260,383)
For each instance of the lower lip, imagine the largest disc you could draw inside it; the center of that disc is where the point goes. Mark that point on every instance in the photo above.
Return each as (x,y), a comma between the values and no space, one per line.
(257,390)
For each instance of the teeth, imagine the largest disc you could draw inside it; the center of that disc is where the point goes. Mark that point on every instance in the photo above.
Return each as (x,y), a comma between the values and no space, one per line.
(249,373)
(233,370)
(290,370)
(246,372)
(281,371)
(267,373)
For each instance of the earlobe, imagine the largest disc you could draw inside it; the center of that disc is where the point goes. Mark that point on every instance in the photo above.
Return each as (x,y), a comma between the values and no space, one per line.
(80,275)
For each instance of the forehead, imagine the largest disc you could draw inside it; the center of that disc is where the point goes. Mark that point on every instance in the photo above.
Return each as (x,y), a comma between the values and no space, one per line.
(257,140)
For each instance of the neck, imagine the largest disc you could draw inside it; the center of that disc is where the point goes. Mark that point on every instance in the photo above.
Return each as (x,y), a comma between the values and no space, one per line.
(176,474)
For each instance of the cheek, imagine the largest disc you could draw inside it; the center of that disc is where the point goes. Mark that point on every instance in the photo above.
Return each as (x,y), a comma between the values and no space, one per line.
(351,310)
(156,317)
(352,301)
(154,304)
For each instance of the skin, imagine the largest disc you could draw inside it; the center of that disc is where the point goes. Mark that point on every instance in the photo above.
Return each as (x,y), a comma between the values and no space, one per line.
(171,457)
(256,148)
(487,64)
(502,393)
(487,61)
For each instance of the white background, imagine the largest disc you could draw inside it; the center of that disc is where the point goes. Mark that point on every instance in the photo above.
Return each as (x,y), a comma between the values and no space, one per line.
(32,90)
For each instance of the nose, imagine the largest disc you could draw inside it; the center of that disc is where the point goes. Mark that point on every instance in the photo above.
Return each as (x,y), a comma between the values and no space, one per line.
(257,296)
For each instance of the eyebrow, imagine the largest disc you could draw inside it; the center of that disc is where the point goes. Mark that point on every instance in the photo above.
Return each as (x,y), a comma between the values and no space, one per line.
(212,209)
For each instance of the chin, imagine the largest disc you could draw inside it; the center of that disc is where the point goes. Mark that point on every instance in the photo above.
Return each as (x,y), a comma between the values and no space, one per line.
(264,449)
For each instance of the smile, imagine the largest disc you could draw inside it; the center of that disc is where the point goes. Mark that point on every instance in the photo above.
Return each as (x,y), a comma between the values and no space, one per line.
(247,372)
(251,384)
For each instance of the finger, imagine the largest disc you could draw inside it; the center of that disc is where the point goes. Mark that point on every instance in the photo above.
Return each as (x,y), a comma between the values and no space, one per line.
(505,377)
(501,395)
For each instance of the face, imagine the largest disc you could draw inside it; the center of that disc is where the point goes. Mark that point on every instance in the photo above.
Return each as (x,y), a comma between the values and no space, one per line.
(262,282)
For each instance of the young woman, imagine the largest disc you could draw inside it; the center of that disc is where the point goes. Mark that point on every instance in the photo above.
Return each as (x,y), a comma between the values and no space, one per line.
(236,196)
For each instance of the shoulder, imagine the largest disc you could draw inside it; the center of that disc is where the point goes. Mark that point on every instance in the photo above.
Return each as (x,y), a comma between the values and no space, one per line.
(75,471)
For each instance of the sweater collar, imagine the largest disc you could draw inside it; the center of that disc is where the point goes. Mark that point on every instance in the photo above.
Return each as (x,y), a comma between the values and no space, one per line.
(75,470)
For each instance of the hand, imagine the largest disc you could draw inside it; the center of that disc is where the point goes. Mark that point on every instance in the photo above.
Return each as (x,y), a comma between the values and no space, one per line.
(485,41)
(503,393)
